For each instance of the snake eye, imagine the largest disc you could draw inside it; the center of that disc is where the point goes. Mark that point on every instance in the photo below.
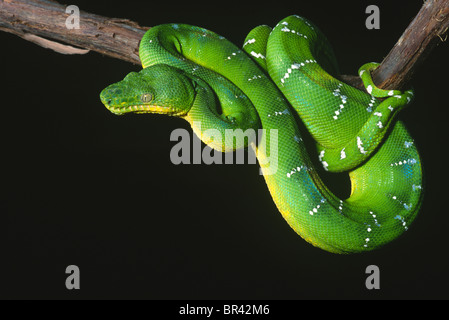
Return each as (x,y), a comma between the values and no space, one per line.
(146,97)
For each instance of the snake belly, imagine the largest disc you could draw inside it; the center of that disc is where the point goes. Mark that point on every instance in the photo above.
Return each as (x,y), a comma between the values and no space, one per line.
(278,75)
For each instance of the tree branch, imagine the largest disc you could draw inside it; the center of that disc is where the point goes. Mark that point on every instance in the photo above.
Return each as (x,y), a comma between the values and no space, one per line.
(118,38)
(422,35)
(44,23)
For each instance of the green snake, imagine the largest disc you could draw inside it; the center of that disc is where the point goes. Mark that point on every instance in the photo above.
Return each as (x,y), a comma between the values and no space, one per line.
(283,74)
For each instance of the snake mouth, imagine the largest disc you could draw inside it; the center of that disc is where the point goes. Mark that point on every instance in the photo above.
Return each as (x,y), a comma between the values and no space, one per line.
(142,108)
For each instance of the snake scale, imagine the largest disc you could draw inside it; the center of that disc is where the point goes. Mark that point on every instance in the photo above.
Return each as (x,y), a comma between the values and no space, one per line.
(280,74)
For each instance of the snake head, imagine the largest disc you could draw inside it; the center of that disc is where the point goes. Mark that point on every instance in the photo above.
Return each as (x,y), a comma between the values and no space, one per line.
(157,89)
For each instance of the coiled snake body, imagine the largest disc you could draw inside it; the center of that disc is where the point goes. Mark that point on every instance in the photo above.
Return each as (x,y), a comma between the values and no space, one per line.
(196,74)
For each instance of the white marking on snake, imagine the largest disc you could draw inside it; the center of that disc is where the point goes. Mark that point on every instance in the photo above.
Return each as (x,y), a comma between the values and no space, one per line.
(285,29)
(400,218)
(295,66)
(371,104)
(405,205)
(320,157)
(375,220)
(293,171)
(359,145)
(314,210)
(324,163)
(406,161)
(255,77)
(342,154)
(279,113)
(340,207)
(249,41)
(232,54)
(343,98)
(257,55)
(366,244)
(408,144)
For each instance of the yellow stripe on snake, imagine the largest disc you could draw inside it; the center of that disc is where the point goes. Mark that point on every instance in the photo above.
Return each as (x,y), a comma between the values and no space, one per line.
(280,74)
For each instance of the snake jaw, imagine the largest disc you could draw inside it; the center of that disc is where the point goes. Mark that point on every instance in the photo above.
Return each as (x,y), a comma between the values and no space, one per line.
(142,108)
(124,108)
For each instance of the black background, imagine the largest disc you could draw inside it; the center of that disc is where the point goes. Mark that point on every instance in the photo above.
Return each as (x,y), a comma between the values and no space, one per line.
(82,186)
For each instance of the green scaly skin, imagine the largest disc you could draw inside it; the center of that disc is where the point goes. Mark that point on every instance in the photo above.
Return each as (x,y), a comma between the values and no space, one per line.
(196,74)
